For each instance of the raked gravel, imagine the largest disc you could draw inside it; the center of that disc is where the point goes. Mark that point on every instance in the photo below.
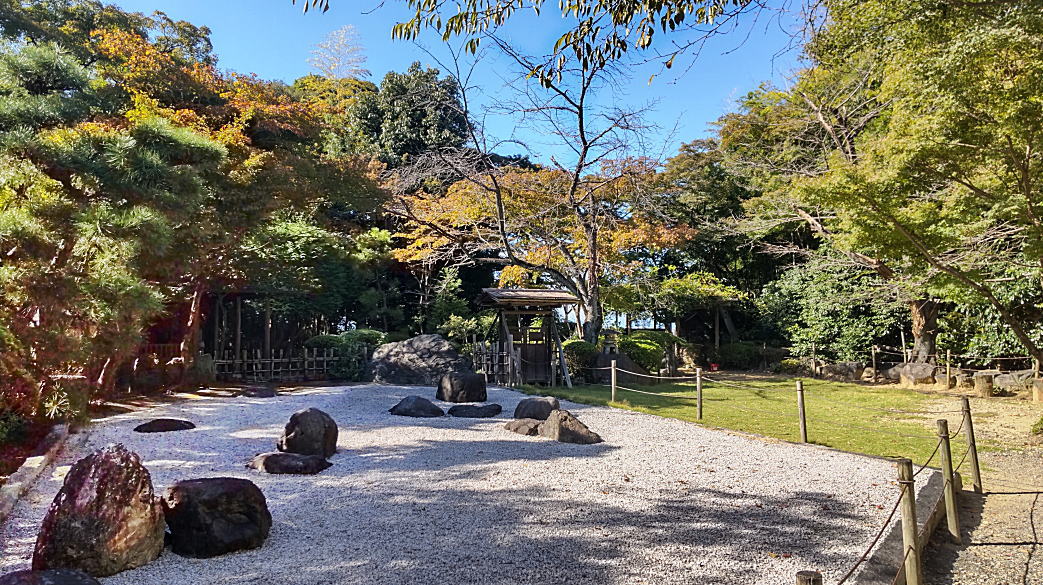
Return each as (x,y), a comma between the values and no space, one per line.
(453,501)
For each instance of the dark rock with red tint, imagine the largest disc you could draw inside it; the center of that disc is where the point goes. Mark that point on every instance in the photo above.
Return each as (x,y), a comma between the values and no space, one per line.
(105,519)
(309,432)
(53,577)
(215,516)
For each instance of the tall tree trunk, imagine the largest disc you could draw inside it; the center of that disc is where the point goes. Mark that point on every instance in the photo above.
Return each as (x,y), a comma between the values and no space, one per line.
(190,337)
(924,313)
(594,322)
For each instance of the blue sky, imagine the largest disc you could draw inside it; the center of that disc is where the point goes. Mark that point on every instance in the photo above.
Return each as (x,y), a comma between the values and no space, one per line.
(273,39)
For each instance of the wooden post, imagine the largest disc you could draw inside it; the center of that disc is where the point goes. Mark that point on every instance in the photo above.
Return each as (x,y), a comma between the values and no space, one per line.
(268,337)
(905,356)
(948,369)
(238,366)
(801,412)
(613,380)
(809,578)
(699,393)
(972,445)
(874,364)
(717,329)
(952,512)
(911,547)
(983,384)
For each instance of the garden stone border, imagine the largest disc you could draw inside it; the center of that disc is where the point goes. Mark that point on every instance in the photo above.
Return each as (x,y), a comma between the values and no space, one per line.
(23,479)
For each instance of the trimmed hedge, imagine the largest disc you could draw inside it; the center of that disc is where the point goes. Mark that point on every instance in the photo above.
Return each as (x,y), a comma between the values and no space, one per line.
(647,353)
(579,355)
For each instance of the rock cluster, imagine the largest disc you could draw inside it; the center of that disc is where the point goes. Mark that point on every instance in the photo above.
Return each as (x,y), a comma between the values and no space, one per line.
(105,518)
(560,425)
(215,516)
(309,432)
(289,463)
(423,359)
(462,387)
(416,406)
(538,407)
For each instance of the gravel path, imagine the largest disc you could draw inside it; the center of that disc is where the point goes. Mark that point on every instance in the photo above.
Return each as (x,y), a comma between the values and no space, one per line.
(461,501)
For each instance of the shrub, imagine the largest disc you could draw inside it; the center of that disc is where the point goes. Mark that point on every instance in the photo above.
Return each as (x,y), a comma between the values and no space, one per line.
(351,347)
(791,366)
(579,355)
(1037,429)
(367,336)
(322,342)
(741,355)
(645,352)
(12,427)
(66,402)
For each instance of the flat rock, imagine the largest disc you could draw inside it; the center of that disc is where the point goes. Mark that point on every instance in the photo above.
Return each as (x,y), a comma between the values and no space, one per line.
(289,463)
(474,411)
(416,406)
(563,426)
(105,518)
(461,387)
(215,516)
(309,432)
(51,577)
(524,426)
(538,407)
(260,392)
(423,359)
(164,425)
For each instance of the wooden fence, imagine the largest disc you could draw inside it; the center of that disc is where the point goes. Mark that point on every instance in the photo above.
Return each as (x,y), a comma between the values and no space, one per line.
(294,364)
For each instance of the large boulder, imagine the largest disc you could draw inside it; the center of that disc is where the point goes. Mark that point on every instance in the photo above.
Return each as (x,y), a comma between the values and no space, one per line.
(309,432)
(538,407)
(457,387)
(52,577)
(419,360)
(1015,381)
(844,371)
(416,406)
(105,518)
(473,411)
(529,427)
(292,463)
(164,425)
(563,426)
(917,373)
(215,516)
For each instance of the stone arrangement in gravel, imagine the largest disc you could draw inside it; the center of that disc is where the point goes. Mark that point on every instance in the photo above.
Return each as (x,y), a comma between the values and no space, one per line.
(416,406)
(105,518)
(164,425)
(538,407)
(289,463)
(309,432)
(475,411)
(461,387)
(49,577)
(213,516)
(260,392)
(560,425)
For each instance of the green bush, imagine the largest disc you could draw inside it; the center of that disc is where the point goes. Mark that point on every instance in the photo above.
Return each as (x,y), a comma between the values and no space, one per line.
(741,355)
(579,355)
(1037,429)
(67,403)
(367,336)
(791,366)
(645,352)
(351,347)
(12,427)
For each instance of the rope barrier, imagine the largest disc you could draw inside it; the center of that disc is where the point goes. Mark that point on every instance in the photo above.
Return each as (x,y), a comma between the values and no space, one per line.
(929,459)
(962,459)
(618,387)
(958,429)
(876,539)
(901,566)
(622,371)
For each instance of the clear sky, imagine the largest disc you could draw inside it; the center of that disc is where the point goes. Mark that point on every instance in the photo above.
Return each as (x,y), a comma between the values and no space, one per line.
(273,39)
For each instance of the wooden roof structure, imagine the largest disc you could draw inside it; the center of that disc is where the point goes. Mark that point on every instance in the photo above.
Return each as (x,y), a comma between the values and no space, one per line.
(526,297)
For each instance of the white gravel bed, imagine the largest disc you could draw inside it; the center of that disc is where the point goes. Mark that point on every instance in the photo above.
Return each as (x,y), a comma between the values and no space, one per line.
(452,501)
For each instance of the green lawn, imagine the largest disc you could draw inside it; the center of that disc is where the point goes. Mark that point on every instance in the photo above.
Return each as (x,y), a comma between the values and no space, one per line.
(770,408)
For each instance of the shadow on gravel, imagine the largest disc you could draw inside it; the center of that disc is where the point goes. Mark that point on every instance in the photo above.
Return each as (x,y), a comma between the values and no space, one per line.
(941,553)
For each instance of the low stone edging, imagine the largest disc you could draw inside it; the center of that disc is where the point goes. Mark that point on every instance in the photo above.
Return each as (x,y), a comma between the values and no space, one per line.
(21,480)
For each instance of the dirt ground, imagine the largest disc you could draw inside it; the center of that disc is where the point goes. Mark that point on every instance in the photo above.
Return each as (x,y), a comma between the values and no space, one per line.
(1000,527)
